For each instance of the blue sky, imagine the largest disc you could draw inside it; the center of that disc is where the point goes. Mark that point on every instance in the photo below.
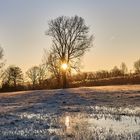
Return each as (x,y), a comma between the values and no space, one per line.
(114,23)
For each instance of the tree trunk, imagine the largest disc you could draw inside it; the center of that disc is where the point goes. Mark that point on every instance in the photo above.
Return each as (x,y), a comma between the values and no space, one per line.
(64,78)
(15,83)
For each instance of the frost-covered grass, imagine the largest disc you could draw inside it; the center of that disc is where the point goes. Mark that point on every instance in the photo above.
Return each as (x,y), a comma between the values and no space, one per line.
(73,126)
(111,112)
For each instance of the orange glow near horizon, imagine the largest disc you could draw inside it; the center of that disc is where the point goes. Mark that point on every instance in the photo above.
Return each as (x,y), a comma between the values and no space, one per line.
(116,38)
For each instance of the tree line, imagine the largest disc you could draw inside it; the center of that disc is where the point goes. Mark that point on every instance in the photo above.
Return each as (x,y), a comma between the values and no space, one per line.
(70,41)
(44,77)
(115,72)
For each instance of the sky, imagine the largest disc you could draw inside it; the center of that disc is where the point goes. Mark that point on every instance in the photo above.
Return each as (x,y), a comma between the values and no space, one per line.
(115,25)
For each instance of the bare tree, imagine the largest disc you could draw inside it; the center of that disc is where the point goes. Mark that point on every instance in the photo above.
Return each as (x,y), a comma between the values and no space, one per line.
(53,65)
(1,53)
(70,40)
(13,76)
(33,74)
(137,66)
(102,74)
(42,73)
(1,63)
(116,72)
(124,68)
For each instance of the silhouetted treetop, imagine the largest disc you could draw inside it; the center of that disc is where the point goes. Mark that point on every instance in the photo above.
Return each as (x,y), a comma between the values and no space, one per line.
(70,37)
(13,76)
(137,66)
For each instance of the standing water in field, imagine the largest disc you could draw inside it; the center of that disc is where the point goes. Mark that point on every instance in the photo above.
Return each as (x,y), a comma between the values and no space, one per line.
(98,123)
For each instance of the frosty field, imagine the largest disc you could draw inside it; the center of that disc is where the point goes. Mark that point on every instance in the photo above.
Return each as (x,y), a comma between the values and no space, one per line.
(86,113)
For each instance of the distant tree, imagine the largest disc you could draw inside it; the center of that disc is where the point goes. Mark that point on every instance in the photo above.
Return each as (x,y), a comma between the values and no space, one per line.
(33,75)
(1,54)
(53,66)
(91,76)
(115,72)
(70,40)
(42,73)
(1,63)
(102,74)
(123,68)
(13,76)
(83,76)
(137,66)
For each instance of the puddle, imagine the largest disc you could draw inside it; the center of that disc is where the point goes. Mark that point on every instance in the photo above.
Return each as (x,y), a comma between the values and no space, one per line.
(102,126)
(98,123)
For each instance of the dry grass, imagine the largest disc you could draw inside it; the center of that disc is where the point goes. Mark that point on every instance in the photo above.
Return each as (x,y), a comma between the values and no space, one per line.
(114,96)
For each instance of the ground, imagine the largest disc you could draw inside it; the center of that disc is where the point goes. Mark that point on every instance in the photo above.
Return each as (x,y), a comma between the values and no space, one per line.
(70,113)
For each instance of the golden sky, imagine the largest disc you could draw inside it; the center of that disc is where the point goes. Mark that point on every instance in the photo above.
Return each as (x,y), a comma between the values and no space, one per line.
(114,23)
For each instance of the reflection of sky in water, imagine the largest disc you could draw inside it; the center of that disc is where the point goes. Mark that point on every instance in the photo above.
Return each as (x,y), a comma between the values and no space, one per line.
(67,121)
(99,121)
(126,124)
(118,123)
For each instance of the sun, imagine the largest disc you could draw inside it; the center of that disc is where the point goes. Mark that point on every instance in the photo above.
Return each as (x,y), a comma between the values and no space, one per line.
(64,66)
